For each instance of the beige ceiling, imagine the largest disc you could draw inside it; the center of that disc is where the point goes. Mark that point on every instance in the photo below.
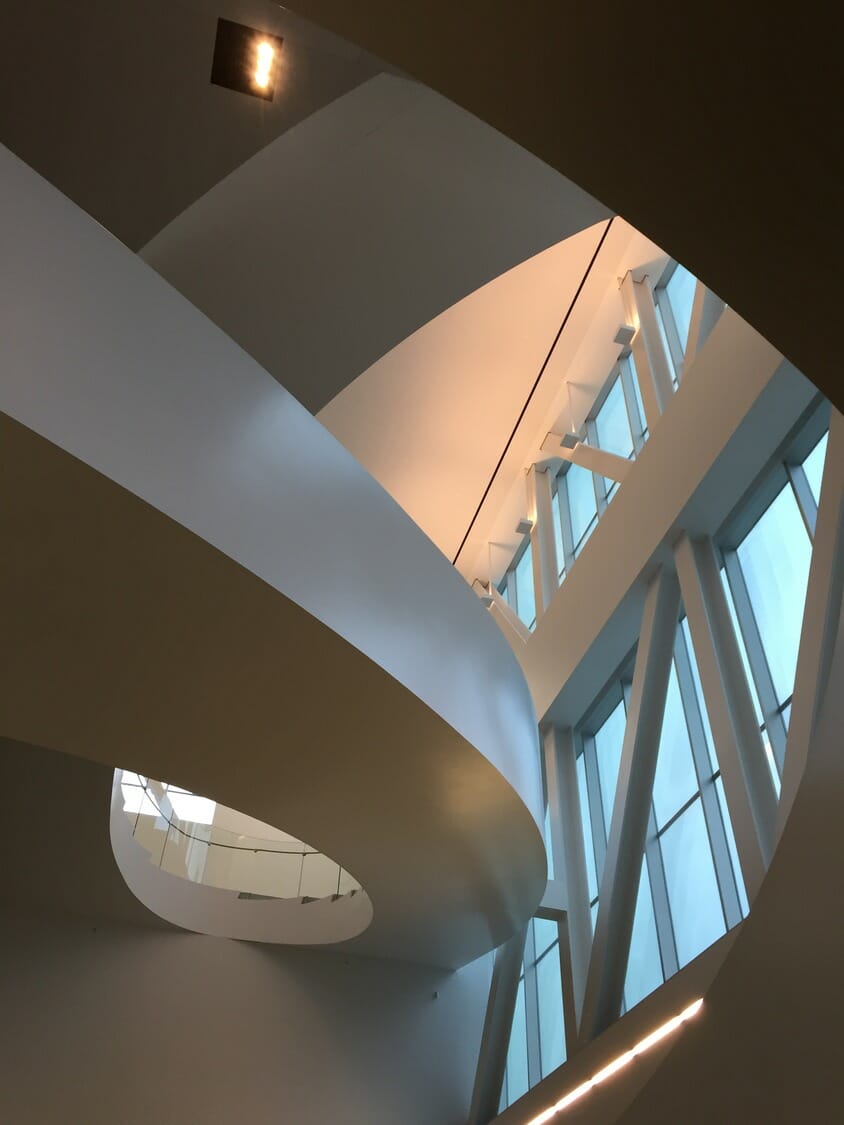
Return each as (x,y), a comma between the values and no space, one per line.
(431,419)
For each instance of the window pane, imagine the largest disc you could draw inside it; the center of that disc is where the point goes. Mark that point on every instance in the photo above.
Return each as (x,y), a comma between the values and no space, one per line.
(545,933)
(552,1040)
(681,294)
(558,537)
(696,911)
(644,966)
(731,844)
(608,742)
(675,781)
(731,605)
(548,849)
(582,506)
(612,423)
(638,393)
(774,558)
(525,600)
(813,467)
(664,338)
(591,875)
(517,1067)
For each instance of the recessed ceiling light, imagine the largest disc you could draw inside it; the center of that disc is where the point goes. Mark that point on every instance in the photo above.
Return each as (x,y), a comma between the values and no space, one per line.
(245,59)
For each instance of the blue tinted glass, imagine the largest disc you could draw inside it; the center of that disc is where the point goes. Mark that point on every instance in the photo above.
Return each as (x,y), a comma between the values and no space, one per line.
(517,1064)
(612,423)
(608,742)
(681,294)
(661,324)
(675,781)
(696,912)
(593,914)
(545,933)
(558,538)
(644,967)
(774,557)
(813,467)
(552,1039)
(704,716)
(731,844)
(786,715)
(591,875)
(582,506)
(525,600)
(731,606)
(548,849)
(771,760)
(638,392)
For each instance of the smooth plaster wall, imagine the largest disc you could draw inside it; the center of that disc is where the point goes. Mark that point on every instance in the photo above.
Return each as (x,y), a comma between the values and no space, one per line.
(106,1024)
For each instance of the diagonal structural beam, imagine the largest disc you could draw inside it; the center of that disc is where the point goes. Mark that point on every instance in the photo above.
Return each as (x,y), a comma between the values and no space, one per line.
(748,787)
(492,1057)
(820,617)
(626,844)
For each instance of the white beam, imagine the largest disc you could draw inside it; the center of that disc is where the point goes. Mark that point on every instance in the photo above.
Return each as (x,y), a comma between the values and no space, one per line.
(511,625)
(569,864)
(748,787)
(597,461)
(628,829)
(543,549)
(706,308)
(820,617)
(492,1056)
(655,381)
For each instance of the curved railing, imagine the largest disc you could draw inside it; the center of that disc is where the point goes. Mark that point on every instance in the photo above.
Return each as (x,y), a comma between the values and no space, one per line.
(277,866)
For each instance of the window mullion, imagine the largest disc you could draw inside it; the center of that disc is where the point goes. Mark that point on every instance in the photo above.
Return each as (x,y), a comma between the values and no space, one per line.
(804,497)
(600,830)
(670,325)
(565,521)
(637,423)
(598,482)
(659,895)
(532,1010)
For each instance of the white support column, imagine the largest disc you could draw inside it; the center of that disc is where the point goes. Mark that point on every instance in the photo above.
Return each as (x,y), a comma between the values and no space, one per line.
(631,808)
(570,865)
(748,787)
(706,309)
(543,548)
(655,381)
(492,1057)
(820,617)
(597,461)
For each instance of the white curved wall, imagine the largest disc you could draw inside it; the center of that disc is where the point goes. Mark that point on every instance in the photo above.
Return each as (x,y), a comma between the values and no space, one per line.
(109,363)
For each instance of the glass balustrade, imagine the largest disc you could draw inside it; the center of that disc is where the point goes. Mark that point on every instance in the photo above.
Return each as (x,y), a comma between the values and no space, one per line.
(204,846)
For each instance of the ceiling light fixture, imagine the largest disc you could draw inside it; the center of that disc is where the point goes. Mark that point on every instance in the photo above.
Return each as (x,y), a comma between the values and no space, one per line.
(618,1063)
(265,53)
(246,59)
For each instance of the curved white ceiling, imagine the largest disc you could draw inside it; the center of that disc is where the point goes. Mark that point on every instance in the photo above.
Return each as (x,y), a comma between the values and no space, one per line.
(359,225)
(215,579)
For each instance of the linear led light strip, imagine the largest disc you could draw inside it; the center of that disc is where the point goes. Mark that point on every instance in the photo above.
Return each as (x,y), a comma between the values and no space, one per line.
(618,1063)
